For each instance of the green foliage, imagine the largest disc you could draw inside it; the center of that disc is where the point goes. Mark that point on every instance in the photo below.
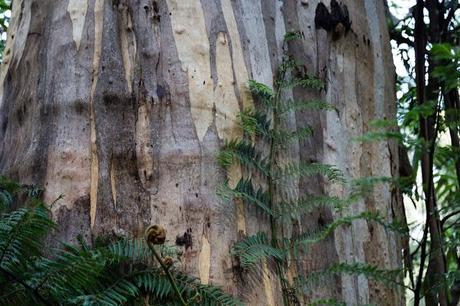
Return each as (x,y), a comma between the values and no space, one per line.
(5,9)
(121,273)
(253,249)
(436,152)
(268,176)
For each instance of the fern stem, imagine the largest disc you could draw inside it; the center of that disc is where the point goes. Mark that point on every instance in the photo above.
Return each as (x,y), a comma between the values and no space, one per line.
(271,192)
(168,274)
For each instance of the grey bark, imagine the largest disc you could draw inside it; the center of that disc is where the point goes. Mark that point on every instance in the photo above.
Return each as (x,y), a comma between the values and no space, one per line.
(122,105)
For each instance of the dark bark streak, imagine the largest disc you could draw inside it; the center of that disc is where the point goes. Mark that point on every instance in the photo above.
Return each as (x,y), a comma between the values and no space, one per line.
(428,133)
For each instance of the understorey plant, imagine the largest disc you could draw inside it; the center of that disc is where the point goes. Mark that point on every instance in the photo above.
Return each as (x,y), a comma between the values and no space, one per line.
(124,272)
(270,178)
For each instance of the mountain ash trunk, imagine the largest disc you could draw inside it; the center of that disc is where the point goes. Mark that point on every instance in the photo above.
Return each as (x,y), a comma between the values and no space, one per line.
(122,105)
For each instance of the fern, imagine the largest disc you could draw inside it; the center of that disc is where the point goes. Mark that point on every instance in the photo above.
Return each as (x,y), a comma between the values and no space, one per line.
(244,153)
(292,105)
(262,92)
(254,122)
(264,160)
(245,190)
(117,274)
(253,249)
(302,169)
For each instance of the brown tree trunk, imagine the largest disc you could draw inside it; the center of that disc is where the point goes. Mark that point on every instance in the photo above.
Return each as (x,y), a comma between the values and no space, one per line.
(121,105)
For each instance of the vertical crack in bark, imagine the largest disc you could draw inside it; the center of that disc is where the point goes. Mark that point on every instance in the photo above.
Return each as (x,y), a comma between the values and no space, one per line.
(113,182)
(128,44)
(98,26)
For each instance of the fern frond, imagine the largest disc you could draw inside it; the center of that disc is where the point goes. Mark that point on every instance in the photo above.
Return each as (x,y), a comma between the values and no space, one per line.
(254,122)
(117,293)
(134,250)
(310,169)
(21,235)
(380,136)
(331,302)
(312,237)
(245,191)
(293,105)
(8,189)
(323,277)
(199,294)
(304,81)
(317,236)
(253,249)
(308,204)
(292,35)
(388,277)
(244,153)
(283,137)
(154,282)
(261,91)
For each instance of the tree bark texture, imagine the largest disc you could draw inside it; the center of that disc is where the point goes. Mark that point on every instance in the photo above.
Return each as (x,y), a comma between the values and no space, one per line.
(122,105)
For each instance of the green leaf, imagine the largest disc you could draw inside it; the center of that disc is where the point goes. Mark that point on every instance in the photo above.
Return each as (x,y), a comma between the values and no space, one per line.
(253,249)
(245,191)
(302,169)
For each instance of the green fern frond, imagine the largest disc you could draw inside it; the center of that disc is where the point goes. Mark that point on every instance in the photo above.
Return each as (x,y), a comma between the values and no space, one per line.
(245,191)
(21,235)
(315,236)
(319,235)
(376,217)
(253,249)
(320,278)
(287,64)
(261,91)
(8,189)
(117,293)
(154,282)
(292,35)
(133,249)
(302,169)
(305,82)
(284,137)
(199,294)
(294,105)
(308,204)
(380,136)
(331,302)
(388,277)
(243,152)
(254,122)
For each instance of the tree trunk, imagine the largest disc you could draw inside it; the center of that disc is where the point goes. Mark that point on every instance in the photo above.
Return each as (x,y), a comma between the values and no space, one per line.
(121,106)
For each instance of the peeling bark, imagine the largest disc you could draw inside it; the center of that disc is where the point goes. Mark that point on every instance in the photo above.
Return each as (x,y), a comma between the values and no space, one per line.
(122,105)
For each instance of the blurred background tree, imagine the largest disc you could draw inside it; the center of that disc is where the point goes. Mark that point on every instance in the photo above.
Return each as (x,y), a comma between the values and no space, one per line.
(425,36)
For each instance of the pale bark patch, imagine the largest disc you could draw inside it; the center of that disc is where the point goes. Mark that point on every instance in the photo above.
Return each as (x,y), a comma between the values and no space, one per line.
(98,27)
(15,44)
(239,67)
(128,46)
(267,282)
(258,46)
(204,261)
(193,49)
(77,10)
(226,102)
